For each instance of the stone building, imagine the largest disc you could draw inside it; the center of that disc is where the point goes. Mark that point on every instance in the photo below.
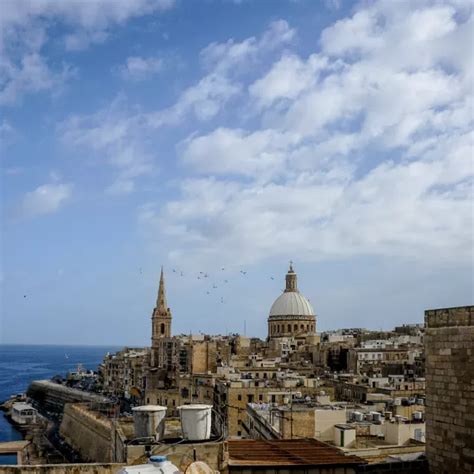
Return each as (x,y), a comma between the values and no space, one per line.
(449,352)
(122,373)
(291,315)
(293,421)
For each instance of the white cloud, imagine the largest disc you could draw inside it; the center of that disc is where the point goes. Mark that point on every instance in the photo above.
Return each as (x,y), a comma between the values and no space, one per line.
(362,148)
(137,68)
(228,151)
(287,79)
(122,137)
(31,75)
(24,28)
(222,57)
(115,137)
(45,199)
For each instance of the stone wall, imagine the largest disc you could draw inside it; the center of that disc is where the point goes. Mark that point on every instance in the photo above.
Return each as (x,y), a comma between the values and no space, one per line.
(449,348)
(63,469)
(52,397)
(87,432)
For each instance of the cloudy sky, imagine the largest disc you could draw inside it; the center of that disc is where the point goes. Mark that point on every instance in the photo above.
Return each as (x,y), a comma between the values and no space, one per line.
(225,137)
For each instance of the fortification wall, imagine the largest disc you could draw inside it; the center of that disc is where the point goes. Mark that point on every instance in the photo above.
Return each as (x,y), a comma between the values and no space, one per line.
(52,396)
(449,349)
(87,432)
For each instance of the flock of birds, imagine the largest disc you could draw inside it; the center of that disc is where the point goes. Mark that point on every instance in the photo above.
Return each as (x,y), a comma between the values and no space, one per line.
(206,277)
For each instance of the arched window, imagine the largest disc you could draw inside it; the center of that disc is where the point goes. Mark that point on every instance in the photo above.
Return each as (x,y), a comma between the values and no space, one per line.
(278,328)
(302,327)
(162,328)
(295,327)
(289,327)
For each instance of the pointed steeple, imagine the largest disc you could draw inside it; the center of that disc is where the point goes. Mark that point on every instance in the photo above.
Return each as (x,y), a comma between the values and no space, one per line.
(161,304)
(291,280)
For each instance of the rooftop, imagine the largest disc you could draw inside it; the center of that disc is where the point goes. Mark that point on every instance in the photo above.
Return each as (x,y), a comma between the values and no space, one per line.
(300,452)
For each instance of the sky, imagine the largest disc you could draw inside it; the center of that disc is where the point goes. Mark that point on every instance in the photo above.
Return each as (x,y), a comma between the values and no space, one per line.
(222,139)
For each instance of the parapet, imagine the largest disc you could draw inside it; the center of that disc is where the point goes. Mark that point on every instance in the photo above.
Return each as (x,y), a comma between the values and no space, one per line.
(449,317)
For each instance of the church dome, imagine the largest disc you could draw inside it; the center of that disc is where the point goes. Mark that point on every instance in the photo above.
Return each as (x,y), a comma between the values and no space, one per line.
(291,303)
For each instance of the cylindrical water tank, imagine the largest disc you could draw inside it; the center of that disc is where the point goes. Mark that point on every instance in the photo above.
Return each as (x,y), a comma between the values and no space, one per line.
(196,421)
(156,465)
(358,416)
(417,415)
(376,416)
(149,421)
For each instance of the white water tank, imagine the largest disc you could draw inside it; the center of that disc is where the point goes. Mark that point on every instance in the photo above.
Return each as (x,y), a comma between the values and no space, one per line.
(156,465)
(417,415)
(196,421)
(376,416)
(358,416)
(149,421)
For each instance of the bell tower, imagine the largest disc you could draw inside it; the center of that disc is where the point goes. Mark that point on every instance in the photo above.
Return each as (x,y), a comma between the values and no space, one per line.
(160,319)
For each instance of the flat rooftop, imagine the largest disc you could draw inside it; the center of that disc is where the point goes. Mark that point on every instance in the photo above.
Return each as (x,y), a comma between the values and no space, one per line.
(296,452)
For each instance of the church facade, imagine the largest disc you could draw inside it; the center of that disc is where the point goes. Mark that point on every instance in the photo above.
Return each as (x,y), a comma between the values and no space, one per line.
(291,315)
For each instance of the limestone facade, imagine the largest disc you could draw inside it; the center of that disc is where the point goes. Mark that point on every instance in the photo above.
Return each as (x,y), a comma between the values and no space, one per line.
(449,349)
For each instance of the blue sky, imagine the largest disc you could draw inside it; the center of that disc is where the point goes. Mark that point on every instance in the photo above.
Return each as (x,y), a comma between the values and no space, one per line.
(232,134)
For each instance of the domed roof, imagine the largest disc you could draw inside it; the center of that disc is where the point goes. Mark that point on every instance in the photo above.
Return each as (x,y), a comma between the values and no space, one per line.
(291,303)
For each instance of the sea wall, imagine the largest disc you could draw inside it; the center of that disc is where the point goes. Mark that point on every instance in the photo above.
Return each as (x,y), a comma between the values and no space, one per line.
(52,397)
(87,432)
(62,469)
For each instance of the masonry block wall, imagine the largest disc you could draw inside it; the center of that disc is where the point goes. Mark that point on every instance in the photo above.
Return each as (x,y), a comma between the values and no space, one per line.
(449,348)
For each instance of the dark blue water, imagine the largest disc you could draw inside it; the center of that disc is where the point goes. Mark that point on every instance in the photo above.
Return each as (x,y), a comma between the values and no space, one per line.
(19,365)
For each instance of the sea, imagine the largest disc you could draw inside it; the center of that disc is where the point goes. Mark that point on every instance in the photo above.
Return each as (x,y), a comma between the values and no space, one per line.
(20,364)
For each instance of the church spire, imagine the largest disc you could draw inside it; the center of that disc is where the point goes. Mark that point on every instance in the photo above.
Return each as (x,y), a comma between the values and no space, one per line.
(161,304)
(291,281)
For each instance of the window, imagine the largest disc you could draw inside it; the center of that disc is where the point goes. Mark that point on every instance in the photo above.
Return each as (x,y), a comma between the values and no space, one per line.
(295,327)
(162,328)
(239,397)
(260,397)
(239,433)
(289,327)
(250,398)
